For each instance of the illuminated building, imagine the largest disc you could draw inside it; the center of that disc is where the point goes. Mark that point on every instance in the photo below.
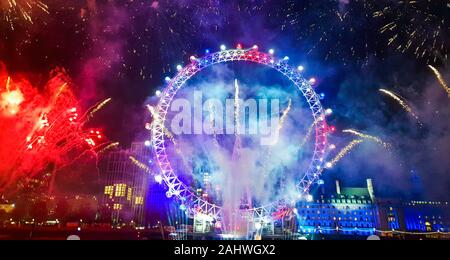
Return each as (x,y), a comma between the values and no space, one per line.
(125,185)
(390,215)
(414,216)
(427,216)
(348,211)
(357,212)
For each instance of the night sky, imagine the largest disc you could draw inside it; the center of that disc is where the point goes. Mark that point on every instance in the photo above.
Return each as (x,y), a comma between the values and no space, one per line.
(125,49)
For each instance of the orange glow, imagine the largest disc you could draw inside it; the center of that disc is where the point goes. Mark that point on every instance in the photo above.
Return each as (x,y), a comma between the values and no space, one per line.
(11,100)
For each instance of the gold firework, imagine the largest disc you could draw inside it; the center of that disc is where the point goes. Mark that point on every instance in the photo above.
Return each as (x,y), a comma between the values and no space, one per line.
(310,131)
(13,10)
(108,147)
(140,165)
(98,107)
(402,103)
(419,27)
(344,152)
(441,80)
(368,137)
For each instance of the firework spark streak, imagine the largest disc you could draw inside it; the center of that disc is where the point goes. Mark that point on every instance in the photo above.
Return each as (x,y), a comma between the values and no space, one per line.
(402,103)
(108,147)
(345,151)
(441,80)
(140,165)
(285,115)
(91,112)
(309,132)
(237,111)
(213,124)
(368,137)
(13,10)
(236,107)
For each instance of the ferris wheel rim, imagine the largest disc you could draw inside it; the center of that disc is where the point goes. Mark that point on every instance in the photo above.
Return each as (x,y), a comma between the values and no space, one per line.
(195,204)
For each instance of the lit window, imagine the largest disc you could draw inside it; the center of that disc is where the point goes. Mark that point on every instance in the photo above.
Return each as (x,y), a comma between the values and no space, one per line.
(139,201)
(130,194)
(109,190)
(117,207)
(120,190)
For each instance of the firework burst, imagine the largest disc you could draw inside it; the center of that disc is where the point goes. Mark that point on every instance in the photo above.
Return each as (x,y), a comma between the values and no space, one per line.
(14,10)
(42,130)
(421,27)
(338,29)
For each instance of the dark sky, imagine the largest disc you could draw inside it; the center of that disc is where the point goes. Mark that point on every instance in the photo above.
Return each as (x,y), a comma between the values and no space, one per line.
(124,49)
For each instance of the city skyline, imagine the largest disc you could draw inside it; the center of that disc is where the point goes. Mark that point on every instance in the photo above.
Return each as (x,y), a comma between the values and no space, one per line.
(225,119)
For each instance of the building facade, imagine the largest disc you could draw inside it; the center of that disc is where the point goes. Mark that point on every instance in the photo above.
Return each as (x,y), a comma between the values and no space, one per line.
(357,212)
(125,185)
(414,216)
(348,211)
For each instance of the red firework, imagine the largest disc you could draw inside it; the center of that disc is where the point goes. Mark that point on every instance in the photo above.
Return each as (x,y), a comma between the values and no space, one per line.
(42,130)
